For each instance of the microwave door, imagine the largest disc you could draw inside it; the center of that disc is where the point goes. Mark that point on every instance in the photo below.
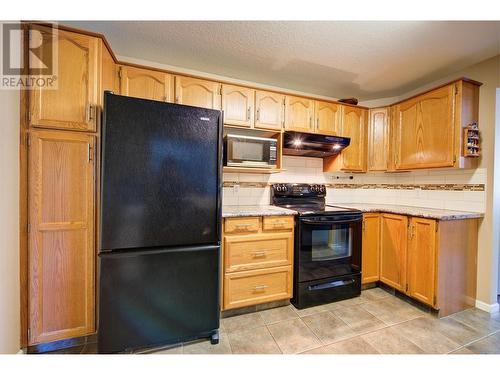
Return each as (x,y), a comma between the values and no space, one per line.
(251,152)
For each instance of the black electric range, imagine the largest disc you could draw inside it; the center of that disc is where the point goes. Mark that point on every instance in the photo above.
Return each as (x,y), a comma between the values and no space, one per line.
(327,249)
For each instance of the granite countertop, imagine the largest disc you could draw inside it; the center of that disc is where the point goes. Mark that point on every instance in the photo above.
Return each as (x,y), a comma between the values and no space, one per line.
(431,213)
(236,211)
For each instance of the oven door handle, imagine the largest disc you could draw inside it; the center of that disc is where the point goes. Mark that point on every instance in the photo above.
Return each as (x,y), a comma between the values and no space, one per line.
(318,222)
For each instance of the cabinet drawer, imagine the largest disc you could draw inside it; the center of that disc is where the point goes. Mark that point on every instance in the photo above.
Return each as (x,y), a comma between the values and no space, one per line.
(278,222)
(248,252)
(241,224)
(254,287)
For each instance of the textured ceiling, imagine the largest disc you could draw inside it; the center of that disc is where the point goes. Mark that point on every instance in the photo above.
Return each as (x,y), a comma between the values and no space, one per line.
(364,59)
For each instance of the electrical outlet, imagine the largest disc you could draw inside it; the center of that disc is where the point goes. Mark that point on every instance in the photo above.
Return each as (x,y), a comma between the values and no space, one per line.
(236,189)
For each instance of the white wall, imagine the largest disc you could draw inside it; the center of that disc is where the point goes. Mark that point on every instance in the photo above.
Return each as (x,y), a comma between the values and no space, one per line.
(9,222)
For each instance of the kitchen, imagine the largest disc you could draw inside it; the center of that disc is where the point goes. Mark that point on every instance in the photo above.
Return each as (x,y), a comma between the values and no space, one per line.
(293,222)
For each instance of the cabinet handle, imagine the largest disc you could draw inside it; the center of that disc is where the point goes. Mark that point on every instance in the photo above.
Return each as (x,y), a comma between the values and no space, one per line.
(310,121)
(89,152)
(364,225)
(279,223)
(259,254)
(248,113)
(258,114)
(90,112)
(177,99)
(243,226)
(317,123)
(260,288)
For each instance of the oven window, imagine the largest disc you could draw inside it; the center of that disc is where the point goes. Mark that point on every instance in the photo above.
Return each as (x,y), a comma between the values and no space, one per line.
(329,243)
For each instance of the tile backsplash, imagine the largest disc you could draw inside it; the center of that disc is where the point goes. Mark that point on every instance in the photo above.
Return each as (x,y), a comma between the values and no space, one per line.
(447,189)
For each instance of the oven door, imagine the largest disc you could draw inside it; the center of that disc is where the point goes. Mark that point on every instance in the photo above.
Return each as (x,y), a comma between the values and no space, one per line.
(328,246)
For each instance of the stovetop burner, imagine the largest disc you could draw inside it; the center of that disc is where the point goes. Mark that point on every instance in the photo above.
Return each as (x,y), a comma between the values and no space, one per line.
(306,199)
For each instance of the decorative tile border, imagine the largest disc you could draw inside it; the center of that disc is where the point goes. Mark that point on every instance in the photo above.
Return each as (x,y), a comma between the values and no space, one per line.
(246,184)
(447,187)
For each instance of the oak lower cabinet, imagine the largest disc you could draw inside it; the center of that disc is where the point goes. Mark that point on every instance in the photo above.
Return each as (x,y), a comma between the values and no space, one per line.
(197,92)
(299,114)
(422,259)
(432,261)
(73,103)
(61,248)
(393,243)
(370,262)
(257,260)
(146,84)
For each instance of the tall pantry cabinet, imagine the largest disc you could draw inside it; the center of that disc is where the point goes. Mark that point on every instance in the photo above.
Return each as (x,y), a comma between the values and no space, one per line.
(62,136)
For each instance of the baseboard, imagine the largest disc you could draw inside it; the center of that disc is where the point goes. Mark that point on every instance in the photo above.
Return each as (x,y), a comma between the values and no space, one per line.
(493,308)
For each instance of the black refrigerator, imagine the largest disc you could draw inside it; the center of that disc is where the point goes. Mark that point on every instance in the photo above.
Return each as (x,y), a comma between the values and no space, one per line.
(159,258)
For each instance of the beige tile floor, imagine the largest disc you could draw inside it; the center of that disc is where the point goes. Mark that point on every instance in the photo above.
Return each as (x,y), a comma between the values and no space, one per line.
(376,322)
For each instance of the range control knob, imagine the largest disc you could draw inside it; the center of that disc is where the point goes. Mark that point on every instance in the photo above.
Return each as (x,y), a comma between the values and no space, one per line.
(322,189)
(314,188)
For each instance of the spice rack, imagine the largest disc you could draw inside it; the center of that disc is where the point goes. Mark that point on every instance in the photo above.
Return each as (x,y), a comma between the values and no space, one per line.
(471,141)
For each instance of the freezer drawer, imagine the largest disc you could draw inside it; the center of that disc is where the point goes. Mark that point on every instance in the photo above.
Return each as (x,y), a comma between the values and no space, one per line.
(157,297)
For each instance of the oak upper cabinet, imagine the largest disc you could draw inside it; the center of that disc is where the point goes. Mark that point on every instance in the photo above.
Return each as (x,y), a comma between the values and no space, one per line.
(61,250)
(371,248)
(327,117)
(422,259)
(299,114)
(72,105)
(146,84)
(425,130)
(197,92)
(354,121)
(238,105)
(269,110)
(109,77)
(393,246)
(378,139)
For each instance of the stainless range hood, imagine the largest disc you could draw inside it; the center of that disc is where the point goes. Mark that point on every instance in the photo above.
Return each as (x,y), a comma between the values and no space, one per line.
(313,145)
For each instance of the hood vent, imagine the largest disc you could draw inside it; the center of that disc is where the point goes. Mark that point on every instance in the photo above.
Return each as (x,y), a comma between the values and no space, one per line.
(313,145)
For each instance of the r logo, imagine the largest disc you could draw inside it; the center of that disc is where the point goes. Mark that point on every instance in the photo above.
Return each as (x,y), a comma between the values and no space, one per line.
(41,52)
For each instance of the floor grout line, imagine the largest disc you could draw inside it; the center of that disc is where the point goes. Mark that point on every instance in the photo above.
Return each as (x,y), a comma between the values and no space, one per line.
(474,341)
(274,339)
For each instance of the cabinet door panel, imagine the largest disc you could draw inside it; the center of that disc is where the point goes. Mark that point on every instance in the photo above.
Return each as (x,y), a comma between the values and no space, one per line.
(328,117)
(371,248)
(425,130)
(393,243)
(61,241)
(238,105)
(422,259)
(299,114)
(378,141)
(146,84)
(354,127)
(269,109)
(197,92)
(72,105)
